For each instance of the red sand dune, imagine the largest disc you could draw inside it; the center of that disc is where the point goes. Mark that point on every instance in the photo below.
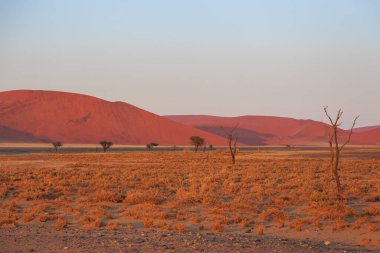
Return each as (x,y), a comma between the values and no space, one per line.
(43,116)
(365,129)
(27,115)
(268,130)
(371,137)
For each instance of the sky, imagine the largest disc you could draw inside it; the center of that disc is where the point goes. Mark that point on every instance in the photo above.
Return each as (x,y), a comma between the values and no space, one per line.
(216,57)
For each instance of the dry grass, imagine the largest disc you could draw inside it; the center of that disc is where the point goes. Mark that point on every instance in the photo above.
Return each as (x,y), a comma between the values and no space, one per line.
(180,227)
(217,227)
(148,223)
(61,222)
(187,191)
(260,229)
(113,224)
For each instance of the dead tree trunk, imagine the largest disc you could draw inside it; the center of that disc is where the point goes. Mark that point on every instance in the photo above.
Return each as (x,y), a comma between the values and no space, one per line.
(232,140)
(335,148)
(232,145)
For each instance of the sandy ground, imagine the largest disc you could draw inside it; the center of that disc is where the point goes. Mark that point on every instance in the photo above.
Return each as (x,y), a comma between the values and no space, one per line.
(48,239)
(188,202)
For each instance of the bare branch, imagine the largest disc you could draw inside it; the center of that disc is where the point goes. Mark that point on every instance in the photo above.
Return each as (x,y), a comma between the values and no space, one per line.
(350,134)
(327,114)
(338,117)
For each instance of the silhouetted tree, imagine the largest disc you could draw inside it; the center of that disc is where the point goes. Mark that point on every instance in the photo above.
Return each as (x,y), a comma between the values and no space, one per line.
(151,145)
(106,145)
(56,145)
(197,142)
(335,148)
(232,138)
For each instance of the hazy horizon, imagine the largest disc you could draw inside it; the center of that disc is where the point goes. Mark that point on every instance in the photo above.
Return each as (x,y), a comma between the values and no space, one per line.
(279,58)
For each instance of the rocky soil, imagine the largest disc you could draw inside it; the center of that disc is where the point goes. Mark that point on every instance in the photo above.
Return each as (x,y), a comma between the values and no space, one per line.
(49,239)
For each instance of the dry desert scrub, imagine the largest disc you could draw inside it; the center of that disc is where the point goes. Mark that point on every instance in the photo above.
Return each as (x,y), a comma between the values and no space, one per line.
(61,222)
(260,229)
(186,190)
(217,227)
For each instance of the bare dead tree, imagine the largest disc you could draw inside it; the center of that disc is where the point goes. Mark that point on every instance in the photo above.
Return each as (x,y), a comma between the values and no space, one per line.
(336,148)
(232,138)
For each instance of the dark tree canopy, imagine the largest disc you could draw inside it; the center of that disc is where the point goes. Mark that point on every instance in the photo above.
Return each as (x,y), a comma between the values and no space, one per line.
(151,145)
(197,142)
(106,145)
(56,145)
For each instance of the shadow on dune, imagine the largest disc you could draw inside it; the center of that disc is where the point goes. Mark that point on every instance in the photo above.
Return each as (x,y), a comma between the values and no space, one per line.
(246,136)
(13,135)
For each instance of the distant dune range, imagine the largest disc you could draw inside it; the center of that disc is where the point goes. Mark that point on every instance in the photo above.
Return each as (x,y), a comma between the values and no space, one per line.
(366,129)
(260,130)
(45,116)
(268,130)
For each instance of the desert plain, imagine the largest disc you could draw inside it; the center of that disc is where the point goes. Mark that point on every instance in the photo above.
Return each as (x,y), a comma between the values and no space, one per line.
(184,201)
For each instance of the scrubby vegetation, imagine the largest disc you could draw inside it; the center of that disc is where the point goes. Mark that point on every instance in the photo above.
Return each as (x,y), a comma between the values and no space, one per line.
(186,191)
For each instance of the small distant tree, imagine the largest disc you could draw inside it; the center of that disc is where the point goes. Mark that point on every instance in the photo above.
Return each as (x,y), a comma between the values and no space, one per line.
(336,148)
(197,142)
(151,145)
(210,146)
(56,145)
(106,145)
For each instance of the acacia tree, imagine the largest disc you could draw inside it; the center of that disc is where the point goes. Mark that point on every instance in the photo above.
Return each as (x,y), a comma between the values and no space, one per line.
(336,148)
(106,145)
(197,142)
(56,145)
(151,145)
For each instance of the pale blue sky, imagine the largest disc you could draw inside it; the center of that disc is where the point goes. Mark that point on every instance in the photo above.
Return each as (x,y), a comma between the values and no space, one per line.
(285,58)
